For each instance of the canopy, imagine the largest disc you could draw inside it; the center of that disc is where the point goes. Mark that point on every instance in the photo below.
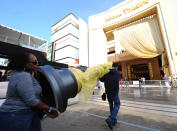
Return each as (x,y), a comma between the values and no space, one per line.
(16,37)
(141,38)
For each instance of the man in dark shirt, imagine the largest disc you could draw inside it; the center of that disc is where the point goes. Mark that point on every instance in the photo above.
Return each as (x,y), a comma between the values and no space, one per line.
(111,82)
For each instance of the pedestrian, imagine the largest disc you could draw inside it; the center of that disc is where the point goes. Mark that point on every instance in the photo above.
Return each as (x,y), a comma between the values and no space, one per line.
(98,84)
(170,81)
(165,78)
(18,112)
(111,82)
(140,82)
(166,81)
(0,74)
(143,80)
(121,82)
(126,82)
(174,80)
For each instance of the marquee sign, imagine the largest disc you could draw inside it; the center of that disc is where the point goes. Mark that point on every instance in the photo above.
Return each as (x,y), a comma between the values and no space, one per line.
(128,10)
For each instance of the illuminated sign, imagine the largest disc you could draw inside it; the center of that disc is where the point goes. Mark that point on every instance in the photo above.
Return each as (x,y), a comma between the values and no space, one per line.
(128,10)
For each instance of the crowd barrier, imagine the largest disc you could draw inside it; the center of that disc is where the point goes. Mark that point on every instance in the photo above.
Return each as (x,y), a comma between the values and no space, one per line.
(146,83)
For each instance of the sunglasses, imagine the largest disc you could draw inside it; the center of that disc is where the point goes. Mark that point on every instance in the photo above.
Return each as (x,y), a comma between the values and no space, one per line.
(35,63)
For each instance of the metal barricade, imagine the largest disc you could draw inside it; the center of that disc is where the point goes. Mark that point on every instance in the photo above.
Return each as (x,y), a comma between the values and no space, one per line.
(146,83)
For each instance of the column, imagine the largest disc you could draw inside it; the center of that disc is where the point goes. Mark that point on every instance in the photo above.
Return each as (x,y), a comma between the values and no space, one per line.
(129,72)
(150,70)
(124,70)
(156,69)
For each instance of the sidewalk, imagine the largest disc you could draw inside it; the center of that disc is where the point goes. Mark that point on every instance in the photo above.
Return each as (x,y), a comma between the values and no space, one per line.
(91,117)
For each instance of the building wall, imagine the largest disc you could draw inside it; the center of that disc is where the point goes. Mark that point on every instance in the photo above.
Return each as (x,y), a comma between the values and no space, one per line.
(97,42)
(97,50)
(71,37)
(65,52)
(67,61)
(169,9)
(69,19)
(67,40)
(68,29)
(83,43)
(98,22)
(127,12)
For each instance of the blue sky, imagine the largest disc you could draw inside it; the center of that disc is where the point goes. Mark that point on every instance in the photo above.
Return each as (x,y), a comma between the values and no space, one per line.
(37,16)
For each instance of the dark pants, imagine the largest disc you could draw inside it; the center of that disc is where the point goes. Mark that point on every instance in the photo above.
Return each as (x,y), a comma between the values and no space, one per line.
(26,120)
(140,82)
(114,105)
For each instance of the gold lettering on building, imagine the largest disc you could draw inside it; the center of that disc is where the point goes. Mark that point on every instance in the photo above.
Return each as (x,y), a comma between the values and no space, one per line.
(113,17)
(128,10)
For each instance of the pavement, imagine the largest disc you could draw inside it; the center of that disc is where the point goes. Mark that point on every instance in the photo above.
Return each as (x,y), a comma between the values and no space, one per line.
(148,110)
(158,95)
(91,117)
(142,109)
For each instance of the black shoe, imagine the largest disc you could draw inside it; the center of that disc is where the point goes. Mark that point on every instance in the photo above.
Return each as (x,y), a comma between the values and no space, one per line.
(110,124)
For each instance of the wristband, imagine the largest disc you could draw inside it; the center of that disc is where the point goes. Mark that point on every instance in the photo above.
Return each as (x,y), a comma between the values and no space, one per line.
(50,109)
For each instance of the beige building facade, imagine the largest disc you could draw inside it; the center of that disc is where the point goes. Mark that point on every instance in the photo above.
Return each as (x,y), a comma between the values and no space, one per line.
(141,35)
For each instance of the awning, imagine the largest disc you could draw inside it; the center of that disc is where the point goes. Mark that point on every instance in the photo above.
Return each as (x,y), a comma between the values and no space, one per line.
(16,37)
(141,38)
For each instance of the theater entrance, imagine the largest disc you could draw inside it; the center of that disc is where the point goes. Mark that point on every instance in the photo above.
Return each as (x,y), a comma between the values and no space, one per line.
(140,70)
(137,68)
